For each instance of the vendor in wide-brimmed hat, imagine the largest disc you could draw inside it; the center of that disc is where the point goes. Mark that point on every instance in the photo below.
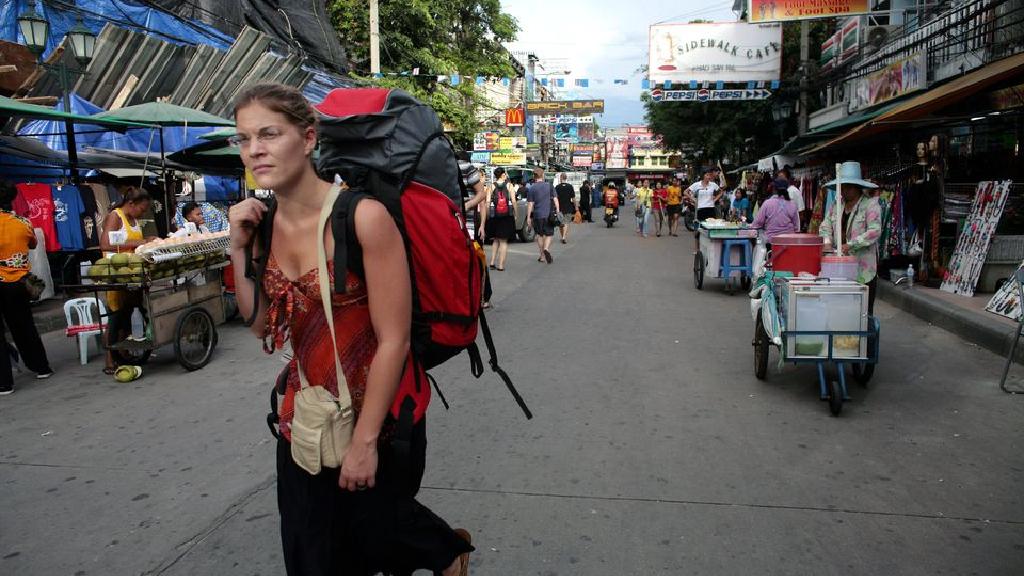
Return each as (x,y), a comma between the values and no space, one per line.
(861,225)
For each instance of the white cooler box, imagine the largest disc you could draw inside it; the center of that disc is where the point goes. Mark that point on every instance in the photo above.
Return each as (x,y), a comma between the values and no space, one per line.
(820,305)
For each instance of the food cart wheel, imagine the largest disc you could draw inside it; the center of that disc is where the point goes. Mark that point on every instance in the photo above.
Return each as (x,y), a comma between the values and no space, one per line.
(129,357)
(194,338)
(862,373)
(698,270)
(761,348)
(835,397)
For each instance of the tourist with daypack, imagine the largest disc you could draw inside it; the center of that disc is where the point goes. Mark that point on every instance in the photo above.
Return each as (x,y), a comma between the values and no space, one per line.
(352,445)
(501,219)
(542,211)
(567,202)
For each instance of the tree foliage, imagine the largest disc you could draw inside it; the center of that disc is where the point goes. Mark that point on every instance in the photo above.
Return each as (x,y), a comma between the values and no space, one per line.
(741,131)
(439,37)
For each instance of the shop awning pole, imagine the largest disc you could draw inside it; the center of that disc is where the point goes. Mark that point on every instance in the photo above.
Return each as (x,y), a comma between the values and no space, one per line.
(837,226)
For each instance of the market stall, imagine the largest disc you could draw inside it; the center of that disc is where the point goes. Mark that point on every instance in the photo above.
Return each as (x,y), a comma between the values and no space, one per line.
(179,280)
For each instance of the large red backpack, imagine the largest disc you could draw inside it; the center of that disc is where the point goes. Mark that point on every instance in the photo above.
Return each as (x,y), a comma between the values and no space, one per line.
(388,146)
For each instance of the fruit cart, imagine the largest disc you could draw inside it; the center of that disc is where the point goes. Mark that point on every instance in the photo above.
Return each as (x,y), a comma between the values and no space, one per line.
(816,321)
(178,282)
(731,242)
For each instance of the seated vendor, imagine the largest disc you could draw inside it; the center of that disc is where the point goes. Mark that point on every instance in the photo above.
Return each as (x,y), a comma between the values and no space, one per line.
(860,228)
(193,213)
(121,303)
(777,215)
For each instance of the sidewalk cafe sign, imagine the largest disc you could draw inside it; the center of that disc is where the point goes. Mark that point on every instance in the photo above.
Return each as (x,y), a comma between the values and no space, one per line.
(790,10)
(896,79)
(705,95)
(558,107)
(712,52)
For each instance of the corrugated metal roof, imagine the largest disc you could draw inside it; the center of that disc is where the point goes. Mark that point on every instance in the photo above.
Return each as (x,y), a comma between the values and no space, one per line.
(133,68)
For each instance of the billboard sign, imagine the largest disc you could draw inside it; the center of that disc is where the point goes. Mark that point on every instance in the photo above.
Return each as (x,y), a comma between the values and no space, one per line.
(829,50)
(480,157)
(723,51)
(485,141)
(790,10)
(597,167)
(705,95)
(618,153)
(896,79)
(850,40)
(515,117)
(508,158)
(567,133)
(562,119)
(556,107)
(582,161)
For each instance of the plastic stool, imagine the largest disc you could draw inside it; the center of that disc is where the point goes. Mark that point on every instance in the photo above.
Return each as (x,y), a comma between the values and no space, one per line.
(746,265)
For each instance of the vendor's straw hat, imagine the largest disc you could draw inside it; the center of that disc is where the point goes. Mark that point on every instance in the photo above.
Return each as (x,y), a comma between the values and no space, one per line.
(849,173)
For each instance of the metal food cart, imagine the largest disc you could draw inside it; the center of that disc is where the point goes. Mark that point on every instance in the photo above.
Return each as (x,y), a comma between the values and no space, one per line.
(707,262)
(180,289)
(816,321)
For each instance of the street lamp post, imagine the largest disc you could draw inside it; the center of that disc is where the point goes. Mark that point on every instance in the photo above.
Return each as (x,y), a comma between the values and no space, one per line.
(782,110)
(36,31)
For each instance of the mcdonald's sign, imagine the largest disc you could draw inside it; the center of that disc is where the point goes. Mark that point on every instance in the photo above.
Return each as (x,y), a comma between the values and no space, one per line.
(515,117)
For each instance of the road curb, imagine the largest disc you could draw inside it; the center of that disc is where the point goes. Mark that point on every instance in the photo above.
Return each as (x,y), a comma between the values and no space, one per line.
(966,324)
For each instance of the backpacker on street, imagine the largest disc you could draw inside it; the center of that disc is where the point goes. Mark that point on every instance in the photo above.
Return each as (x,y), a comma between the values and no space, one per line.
(386,145)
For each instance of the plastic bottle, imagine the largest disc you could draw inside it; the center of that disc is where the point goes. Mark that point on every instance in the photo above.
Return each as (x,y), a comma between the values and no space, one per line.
(910,276)
(138,326)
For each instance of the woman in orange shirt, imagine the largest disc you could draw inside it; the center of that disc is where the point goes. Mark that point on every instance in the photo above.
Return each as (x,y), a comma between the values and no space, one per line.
(16,239)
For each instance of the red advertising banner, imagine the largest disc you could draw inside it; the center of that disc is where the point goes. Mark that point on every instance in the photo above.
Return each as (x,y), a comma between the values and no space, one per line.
(790,10)
(618,153)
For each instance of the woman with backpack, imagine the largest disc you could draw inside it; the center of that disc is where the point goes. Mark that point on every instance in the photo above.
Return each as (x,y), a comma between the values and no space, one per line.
(361,517)
(501,218)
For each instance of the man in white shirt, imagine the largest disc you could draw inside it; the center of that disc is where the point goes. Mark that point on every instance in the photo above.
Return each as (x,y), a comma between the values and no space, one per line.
(705,194)
(796,196)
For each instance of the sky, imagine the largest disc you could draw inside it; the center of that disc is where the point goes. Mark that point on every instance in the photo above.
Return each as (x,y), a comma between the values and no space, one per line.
(602,39)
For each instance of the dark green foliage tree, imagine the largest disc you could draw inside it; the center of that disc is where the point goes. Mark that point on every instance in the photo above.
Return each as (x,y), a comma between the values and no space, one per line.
(439,37)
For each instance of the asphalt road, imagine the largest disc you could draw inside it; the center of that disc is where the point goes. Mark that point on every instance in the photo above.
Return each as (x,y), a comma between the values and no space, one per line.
(653,451)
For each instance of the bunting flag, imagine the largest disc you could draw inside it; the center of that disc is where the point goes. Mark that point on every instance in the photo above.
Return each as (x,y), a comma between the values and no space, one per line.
(561,82)
(455,79)
(504,81)
(760,83)
(775,84)
(378,75)
(645,84)
(620,82)
(583,82)
(720,85)
(599,82)
(543,81)
(415,71)
(750,85)
(693,84)
(480,80)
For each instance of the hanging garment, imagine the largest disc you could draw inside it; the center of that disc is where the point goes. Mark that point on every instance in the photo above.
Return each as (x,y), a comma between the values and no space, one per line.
(90,224)
(67,217)
(39,203)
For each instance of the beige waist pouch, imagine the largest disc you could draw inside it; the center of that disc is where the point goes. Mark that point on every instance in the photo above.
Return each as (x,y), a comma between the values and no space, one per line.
(322,424)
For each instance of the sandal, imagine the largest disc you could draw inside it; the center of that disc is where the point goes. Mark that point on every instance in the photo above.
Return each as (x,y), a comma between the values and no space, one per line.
(500,269)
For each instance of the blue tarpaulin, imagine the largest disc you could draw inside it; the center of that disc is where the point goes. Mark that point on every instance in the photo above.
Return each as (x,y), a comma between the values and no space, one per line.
(96,13)
(143,140)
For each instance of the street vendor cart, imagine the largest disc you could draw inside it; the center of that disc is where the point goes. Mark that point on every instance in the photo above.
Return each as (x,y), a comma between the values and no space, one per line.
(816,321)
(726,251)
(181,293)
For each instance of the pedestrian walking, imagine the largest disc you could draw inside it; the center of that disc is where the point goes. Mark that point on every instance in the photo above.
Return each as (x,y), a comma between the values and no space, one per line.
(567,202)
(586,200)
(361,518)
(503,213)
(674,206)
(659,198)
(795,195)
(16,239)
(643,208)
(541,207)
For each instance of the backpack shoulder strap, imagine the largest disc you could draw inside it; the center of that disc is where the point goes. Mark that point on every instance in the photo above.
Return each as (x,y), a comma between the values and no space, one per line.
(348,254)
(256,265)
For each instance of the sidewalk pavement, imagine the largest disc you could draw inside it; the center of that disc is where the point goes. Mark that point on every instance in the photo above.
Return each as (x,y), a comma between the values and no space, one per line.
(963,316)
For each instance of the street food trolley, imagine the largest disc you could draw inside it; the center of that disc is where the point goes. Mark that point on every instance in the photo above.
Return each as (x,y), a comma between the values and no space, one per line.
(180,287)
(816,321)
(718,237)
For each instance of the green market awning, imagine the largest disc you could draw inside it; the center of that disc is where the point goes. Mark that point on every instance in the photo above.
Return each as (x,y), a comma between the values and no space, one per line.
(10,107)
(164,114)
(222,134)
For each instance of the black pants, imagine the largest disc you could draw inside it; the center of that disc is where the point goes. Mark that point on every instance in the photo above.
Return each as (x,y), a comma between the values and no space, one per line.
(872,291)
(119,322)
(327,531)
(586,212)
(16,315)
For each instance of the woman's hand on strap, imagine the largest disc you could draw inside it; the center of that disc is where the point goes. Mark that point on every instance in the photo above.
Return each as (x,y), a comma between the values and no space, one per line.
(244,218)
